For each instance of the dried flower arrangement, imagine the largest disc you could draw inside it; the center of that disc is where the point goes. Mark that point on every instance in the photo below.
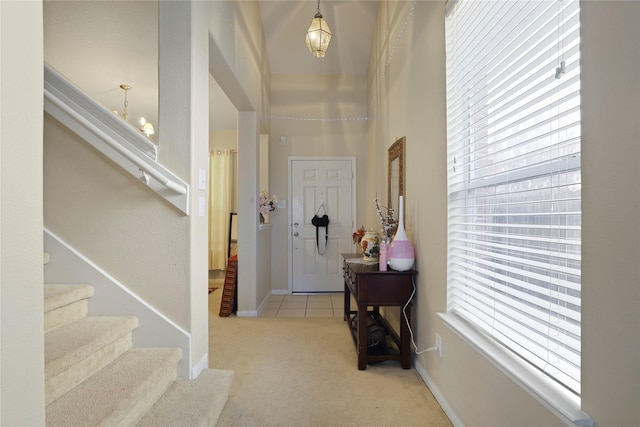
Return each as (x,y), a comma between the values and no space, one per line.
(389,225)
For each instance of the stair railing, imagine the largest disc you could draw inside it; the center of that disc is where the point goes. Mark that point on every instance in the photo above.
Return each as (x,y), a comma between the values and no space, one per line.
(113,137)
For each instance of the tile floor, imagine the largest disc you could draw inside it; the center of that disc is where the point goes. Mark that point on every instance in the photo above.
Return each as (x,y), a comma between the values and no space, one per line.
(322,305)
(326,305)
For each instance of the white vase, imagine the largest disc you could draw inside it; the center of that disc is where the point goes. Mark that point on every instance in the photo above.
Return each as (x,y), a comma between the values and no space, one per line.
(400,254)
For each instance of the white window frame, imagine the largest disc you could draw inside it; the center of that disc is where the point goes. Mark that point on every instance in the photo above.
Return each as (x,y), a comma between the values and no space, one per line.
(559,400)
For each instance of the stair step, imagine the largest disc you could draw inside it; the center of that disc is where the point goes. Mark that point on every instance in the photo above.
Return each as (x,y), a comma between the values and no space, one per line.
(56,295)
(76,351)
(191,403)
(64,304)
(120,394)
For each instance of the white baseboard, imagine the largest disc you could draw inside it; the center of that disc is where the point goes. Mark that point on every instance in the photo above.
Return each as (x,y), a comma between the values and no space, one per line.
(437,394)
(112,298)
(200,366)
(257,312)
(251,313)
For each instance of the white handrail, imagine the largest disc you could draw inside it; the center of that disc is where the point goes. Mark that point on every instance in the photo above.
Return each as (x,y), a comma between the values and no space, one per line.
(180,189)
(111,136)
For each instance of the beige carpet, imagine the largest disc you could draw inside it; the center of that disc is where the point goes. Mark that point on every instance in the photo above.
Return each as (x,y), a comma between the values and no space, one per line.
(303,372)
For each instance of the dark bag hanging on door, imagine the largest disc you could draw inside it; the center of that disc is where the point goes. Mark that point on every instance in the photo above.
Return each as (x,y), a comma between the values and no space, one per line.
(321,221)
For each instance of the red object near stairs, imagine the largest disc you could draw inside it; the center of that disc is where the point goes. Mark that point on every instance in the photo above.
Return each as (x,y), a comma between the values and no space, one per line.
(227,304)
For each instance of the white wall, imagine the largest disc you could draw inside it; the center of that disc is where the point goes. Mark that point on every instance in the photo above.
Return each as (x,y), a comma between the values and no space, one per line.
(90,43)
(412,101)
(611,210)
(198,132)
(248,236)
(238,62)
(313,115)
(115,221)
(223,140)
(21,247)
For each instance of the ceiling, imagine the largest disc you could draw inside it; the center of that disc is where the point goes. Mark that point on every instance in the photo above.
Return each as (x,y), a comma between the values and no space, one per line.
(99,45)
(285,24)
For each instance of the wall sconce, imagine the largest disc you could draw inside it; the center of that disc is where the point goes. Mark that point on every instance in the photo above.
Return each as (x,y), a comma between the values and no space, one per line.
(318,35)
(145,126)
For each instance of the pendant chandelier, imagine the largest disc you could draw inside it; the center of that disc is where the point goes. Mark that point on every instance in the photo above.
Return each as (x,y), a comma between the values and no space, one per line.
(318,35)
(145,126)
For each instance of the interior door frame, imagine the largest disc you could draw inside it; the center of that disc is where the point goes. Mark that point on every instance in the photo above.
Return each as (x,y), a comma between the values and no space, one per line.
(354,181)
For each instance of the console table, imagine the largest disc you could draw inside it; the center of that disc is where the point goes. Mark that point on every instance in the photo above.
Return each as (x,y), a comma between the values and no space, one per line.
(375,289)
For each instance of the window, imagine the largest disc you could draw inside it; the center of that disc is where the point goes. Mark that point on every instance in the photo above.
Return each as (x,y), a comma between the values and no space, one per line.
(513,124)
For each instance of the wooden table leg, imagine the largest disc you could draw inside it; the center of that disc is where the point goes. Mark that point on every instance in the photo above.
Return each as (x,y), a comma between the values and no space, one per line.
(347,302)
(362,337)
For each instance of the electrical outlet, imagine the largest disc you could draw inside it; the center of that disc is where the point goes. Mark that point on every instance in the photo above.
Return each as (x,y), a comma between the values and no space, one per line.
(439,345)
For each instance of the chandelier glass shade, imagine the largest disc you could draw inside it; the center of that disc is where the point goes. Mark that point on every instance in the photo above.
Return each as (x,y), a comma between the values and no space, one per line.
(318,35)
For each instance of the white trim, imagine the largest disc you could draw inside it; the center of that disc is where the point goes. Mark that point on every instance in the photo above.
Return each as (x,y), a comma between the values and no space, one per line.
(248,313)
(200,366)
(560,401)
(448,410)
(256,312)
(113,298)
(262,304)
(59,90)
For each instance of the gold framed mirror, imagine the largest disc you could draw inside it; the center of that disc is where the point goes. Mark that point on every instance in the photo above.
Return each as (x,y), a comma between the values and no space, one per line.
(395,175)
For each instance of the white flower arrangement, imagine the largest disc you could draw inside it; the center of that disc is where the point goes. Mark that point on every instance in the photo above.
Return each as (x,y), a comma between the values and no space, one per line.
(266,204)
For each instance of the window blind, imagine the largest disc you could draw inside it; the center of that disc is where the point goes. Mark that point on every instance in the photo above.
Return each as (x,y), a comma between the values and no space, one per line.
(514,211)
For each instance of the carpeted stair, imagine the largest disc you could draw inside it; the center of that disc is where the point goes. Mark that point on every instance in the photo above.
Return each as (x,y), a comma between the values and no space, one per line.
(93,376)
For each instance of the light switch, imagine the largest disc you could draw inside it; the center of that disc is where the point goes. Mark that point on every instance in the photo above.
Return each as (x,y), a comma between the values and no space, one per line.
(202,180)
(282,204)
(202,207)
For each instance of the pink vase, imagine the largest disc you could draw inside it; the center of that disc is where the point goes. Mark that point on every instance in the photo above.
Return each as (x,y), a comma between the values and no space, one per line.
(400,254)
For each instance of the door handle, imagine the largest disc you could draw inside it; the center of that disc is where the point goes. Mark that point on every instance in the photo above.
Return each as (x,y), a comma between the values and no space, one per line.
(295,224)
(295,234)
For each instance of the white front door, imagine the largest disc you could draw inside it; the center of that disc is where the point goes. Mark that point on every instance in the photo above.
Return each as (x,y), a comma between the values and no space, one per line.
(320,186)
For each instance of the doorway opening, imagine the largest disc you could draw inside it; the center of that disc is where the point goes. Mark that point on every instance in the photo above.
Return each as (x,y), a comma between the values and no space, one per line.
(223,182)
